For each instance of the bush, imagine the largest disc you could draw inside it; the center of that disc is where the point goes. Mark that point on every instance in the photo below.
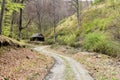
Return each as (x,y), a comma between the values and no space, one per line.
(96,24)
(108,47)
(98,1)
(67,39)
(92,39)
(49,41)
(76,45)
(99,42)
(62,21)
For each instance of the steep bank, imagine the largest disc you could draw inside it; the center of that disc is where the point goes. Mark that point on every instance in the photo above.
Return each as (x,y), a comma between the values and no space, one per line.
(20,63)
(6,41)
(99,30)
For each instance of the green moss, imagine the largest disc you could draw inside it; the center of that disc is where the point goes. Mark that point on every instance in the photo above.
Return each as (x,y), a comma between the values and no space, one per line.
(6,41)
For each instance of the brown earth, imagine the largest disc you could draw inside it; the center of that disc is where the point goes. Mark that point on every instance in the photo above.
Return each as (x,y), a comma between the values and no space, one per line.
(23,64)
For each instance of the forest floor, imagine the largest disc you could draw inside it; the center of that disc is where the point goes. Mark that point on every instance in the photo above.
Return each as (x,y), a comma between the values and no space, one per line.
(68,64)
(23,64)
(100,66)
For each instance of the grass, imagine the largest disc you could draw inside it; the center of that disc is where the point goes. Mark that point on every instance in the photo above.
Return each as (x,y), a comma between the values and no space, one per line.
(4,49)
(65,33)
(69,74)
(33,76)
(99,69)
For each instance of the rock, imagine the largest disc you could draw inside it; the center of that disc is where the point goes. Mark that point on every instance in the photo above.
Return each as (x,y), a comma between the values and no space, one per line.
(27,57)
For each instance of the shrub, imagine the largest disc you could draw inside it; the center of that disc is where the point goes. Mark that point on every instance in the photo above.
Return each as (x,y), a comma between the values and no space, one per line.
(99,42)
(76,45)
(67,39)
(96,24)
(49,41)
(98,1)
(62,21)
(92,39)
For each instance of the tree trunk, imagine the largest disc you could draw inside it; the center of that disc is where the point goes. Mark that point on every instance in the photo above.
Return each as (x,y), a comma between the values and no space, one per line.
(87,3)
(12,22)
(54,32)
(11,27)
(54,23)
(1,15)
(40,26)
(20,24)
(78,13)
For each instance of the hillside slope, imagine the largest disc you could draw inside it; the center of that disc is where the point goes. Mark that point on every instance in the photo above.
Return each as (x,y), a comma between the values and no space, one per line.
(99,30)
(19,63)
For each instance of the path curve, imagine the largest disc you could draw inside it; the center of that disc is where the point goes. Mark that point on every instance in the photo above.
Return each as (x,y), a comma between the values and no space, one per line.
(58,70)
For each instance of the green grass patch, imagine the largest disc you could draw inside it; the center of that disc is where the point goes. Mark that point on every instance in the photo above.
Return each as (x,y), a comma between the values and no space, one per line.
(69,74)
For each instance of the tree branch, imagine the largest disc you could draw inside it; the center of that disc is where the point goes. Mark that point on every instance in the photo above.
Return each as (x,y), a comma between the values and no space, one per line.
(27,23)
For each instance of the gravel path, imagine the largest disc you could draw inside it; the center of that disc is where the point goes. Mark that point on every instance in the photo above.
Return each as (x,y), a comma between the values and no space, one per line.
(58,71)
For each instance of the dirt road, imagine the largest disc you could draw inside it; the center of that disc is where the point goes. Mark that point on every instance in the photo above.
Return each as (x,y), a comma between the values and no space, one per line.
(65,68)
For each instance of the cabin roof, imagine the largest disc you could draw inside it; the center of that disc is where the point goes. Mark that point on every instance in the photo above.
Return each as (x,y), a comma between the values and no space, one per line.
(37,35)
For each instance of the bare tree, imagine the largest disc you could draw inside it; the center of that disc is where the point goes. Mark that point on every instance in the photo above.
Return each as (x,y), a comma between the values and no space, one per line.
(54,20)
(21,27)
(77,8)
(12,21)
(40,8)
(55,16)
(47,13)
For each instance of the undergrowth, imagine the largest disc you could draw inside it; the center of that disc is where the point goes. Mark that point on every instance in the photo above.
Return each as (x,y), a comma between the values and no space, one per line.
(99,42)
(6,41)
(99,30)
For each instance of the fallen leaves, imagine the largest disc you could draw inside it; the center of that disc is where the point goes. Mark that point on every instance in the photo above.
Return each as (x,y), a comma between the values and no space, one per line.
(23,64)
